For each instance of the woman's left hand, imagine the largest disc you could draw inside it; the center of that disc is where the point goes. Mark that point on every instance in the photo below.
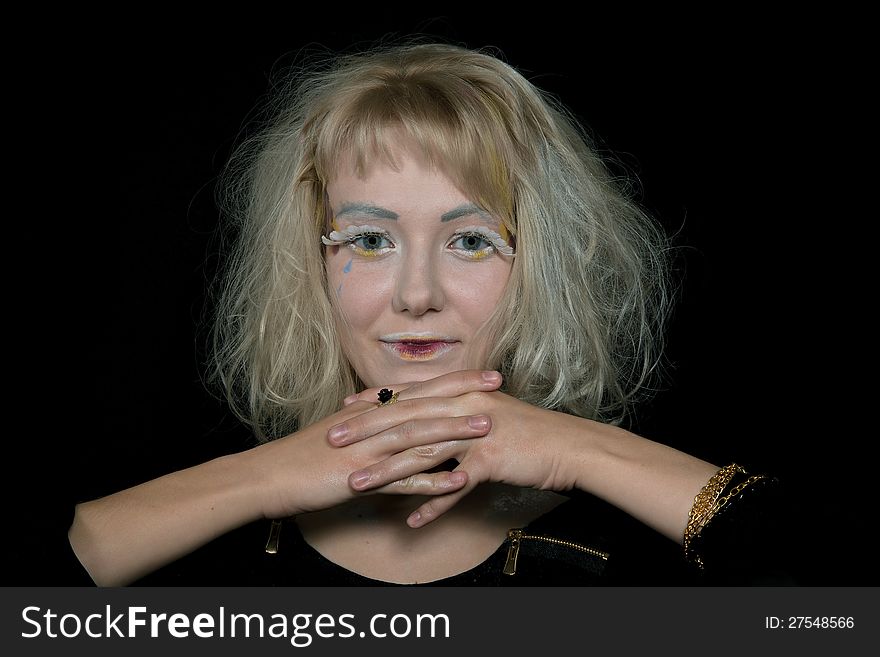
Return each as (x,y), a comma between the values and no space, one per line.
(527,446)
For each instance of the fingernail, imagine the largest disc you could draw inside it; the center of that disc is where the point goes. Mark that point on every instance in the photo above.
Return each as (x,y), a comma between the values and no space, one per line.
(359,478)
(491,377)
(338,432)
(351,399)
(414,518)
(478,422)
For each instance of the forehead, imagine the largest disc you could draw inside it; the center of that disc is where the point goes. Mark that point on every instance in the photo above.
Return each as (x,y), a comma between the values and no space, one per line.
(408,180)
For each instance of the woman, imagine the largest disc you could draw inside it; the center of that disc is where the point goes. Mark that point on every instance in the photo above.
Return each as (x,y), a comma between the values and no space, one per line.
(439,308)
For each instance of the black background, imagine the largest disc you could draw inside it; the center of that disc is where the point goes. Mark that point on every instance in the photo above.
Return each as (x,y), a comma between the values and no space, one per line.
(747,134)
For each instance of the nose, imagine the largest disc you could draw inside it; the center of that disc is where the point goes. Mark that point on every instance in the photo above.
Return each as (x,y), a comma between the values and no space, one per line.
(418,287)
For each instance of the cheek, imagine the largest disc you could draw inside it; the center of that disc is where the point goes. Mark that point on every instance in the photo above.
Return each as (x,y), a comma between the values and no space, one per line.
(356,289)
(478,295)
(339,267)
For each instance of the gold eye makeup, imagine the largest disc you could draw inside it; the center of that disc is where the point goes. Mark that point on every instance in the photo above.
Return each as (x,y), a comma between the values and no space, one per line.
(478,242)
(472,242)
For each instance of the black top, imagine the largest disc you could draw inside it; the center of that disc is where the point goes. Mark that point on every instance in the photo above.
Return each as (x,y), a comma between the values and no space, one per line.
(582,542)
(756,539)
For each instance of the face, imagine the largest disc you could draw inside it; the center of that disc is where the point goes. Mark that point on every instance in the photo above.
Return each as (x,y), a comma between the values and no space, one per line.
(416,269)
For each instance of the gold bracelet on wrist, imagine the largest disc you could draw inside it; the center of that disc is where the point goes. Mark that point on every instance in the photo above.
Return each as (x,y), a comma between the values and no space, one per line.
(710,500)
(706,504)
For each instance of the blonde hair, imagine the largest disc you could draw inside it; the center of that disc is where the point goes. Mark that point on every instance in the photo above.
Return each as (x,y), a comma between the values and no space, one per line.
(580,326)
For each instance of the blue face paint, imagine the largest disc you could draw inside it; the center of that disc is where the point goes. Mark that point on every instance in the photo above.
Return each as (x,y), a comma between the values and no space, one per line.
(339,289)
(347,267)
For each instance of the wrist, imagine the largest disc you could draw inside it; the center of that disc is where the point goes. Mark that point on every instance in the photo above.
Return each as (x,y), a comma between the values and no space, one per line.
(583,453)
(275,478)
(576,449)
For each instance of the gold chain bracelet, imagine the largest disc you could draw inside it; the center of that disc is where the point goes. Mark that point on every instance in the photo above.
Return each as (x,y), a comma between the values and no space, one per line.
(708,502)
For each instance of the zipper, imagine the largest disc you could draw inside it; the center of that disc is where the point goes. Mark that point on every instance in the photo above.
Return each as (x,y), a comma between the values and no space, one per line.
(516,537)
(274,537)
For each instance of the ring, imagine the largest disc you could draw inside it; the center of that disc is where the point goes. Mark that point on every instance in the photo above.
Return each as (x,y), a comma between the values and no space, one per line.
(386,397)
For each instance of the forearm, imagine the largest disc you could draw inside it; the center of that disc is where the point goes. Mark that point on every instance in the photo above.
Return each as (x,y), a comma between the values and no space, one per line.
(654,483)
(123,536)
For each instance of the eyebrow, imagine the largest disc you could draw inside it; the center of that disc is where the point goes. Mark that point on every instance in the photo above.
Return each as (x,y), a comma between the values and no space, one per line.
(366,208)
(466,210)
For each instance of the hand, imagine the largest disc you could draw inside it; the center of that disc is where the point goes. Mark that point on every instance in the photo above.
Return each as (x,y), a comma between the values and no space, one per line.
(305,472)
(524,446)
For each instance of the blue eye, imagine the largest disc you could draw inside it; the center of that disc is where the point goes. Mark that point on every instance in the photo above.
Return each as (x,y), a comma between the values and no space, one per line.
(371,242)
(471,242)
(370,245)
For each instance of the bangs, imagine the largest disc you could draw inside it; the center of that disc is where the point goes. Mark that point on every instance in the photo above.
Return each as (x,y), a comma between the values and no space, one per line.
(458,129)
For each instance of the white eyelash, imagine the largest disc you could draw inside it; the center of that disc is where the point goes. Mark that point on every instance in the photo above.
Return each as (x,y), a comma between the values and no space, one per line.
(338,238)
(491,236)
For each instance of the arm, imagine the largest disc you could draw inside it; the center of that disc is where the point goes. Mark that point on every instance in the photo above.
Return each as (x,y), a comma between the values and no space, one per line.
(534,447)
(654,483)
(124,536)
(737,519)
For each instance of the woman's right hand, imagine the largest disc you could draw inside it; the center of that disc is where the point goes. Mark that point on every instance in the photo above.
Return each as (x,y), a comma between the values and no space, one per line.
(305,472)
(123,536)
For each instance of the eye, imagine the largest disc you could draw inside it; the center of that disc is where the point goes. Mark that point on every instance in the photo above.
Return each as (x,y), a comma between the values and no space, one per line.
(478,242)
(471,242)
(472,245)
(366,241)
(371,242)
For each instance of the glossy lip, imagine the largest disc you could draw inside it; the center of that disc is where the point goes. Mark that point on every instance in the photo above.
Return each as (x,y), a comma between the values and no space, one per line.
(417,346)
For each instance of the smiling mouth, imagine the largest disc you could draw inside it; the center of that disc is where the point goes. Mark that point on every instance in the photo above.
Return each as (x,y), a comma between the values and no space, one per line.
(419,349)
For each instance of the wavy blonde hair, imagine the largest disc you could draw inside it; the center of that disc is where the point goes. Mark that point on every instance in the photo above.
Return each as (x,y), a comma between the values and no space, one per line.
(580,326)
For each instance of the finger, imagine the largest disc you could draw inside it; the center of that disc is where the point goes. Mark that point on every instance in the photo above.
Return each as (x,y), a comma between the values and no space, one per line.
(454,384)
(447,385)
(436,507)
(372,423)
(404,464)
(413,432)
(372,394)
(425,483)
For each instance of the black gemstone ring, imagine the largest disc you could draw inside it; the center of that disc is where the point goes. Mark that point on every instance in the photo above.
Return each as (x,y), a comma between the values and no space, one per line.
(387,397)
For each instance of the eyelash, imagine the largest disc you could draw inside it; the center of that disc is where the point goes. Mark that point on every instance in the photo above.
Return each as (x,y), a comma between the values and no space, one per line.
(474,254)
(369,253)
(356,236)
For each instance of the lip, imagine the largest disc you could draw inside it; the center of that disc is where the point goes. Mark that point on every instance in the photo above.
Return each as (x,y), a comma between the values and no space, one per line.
(417,346)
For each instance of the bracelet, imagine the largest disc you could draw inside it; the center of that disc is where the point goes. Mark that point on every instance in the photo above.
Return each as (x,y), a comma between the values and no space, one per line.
(708,502)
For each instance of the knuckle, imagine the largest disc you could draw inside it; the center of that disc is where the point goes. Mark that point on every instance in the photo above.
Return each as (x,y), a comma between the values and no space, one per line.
(427,510)
(408,483)
(365,395)
(407,430)
(426,451)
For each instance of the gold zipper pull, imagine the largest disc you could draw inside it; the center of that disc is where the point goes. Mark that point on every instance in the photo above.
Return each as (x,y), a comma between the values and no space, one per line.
(513,551)
(274,537)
